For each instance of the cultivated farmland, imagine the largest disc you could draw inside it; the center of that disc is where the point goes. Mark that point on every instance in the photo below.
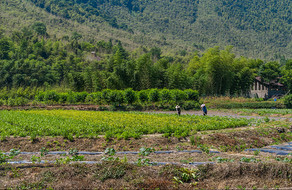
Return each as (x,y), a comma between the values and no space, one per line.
(111,124)
(135,150)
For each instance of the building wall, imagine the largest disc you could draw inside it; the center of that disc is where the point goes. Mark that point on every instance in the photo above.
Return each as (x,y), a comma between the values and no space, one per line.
(259,90)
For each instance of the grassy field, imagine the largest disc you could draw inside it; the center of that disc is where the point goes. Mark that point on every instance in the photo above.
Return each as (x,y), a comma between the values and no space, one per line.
(69,123)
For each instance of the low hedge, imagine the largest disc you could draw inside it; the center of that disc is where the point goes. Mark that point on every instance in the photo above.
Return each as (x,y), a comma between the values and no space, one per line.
(118,97)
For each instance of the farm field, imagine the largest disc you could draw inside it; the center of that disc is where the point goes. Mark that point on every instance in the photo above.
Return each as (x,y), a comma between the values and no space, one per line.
(127,159)
(69,123)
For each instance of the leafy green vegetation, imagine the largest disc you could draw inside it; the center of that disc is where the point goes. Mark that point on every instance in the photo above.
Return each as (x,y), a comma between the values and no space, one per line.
(288,101)
(118,99)
(4,158)
(31,60)
(252,159)
(95,45)
(254,28)
(110,124)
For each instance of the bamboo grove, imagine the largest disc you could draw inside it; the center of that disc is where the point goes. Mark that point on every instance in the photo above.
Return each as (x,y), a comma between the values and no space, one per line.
(32,58)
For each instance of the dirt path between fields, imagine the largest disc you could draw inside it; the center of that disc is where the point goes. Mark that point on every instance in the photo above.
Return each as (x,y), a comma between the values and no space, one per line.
(222,114)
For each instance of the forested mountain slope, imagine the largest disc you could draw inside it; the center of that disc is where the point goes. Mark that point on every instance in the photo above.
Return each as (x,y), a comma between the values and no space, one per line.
(258,29)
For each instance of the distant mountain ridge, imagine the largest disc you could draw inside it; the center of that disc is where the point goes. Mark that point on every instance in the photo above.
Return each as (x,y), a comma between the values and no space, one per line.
(258,29)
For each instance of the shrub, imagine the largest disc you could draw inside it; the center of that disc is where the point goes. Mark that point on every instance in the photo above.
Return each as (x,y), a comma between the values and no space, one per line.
(4,94)
(95,97)
(177,95)
(116,97)
(89,98)
(1,102)
(51,95)
(40,96)
(192,95)
(288,101)
(63,98)
(143,96)
(71,98)
(20,92)
(165,95)
(188,105)
(154,95)
(105,95)
(130,96)
(21,101)
(10,102)
(80,96)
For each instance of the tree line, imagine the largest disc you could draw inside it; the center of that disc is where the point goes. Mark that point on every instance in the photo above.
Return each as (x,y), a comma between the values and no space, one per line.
(30,58)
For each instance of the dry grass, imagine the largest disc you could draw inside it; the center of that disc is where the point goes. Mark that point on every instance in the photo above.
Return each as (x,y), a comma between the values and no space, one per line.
(119,175)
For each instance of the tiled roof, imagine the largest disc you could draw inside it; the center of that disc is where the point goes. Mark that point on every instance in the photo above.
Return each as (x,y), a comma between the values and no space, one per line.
(272,82)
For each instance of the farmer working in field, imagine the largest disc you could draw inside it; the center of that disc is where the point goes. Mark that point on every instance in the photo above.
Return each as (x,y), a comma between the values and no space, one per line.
(204,109)
(177,107)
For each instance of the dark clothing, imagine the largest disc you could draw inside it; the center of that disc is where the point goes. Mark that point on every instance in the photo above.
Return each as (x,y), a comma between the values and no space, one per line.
(204,110)
(178,111)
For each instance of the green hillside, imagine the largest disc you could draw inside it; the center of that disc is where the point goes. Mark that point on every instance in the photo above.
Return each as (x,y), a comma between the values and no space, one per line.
(258,29)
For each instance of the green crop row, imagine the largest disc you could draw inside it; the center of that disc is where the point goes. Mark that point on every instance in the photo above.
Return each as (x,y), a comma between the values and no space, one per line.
(69,123)
(189,98)
(116,97)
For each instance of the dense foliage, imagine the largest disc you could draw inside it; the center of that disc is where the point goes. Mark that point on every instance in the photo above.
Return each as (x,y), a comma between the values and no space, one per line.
(258,29)
(288,101)
(30,58)
(119,99)
(111,124)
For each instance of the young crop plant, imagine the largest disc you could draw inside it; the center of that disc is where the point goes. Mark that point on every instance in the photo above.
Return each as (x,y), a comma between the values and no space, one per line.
(44,151)
(35,159)
(222,160)
(285,159)
(109,152)
(5,158)
(252,159)
(143,153)
(183,175)
(204,148)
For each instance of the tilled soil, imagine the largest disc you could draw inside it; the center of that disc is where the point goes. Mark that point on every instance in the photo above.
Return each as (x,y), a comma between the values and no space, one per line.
(266,172)
(225,140)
